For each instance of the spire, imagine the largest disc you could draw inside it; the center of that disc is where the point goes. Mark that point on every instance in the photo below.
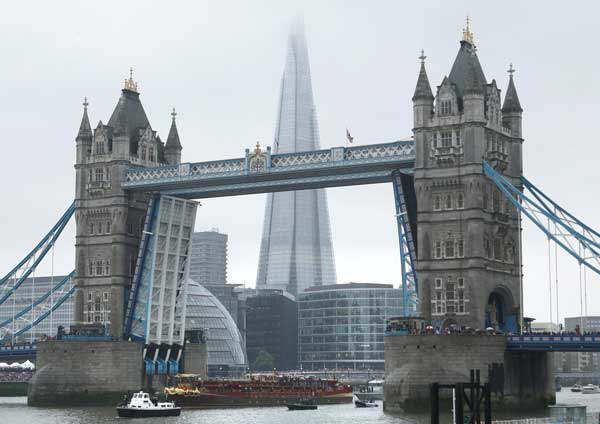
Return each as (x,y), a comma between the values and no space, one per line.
(173,142)
(85,129)
(129,117)
(467,34)
(511,99)
(423,89)
(466,69)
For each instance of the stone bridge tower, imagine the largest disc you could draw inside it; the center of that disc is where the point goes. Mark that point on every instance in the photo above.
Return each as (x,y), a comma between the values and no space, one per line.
(109,220)
(469,253)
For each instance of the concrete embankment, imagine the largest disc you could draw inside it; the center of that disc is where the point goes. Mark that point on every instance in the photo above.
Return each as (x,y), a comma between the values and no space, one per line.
(519,380)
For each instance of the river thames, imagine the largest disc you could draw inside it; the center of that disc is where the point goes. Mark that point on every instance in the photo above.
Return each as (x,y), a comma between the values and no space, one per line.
(15,410)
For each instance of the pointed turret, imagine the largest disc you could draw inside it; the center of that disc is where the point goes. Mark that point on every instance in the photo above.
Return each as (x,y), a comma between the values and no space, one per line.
(466,71)
(423,97)
(511,109)
(173,146)
(85,129)
(423,89)
(511,99)
(83,141)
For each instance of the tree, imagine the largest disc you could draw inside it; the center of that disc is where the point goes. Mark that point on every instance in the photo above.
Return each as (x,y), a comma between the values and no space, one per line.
(264,361)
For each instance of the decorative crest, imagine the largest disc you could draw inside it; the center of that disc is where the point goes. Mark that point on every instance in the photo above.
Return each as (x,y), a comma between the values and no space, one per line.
(467,34)
(85,103)
(422,57)
(130,84)
(257,149)
(511,70)
(173,114)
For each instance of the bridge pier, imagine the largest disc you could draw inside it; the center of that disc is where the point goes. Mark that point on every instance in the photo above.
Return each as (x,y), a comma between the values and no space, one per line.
(519,380)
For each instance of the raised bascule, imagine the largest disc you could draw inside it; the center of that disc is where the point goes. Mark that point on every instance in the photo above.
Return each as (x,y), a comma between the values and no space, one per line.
(459,195)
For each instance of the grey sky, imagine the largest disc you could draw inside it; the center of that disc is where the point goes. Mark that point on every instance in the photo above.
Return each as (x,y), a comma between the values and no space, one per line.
(220,64)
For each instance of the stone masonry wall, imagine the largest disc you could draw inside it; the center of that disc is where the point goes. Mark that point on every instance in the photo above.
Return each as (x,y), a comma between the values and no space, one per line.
(412,363)
(80,373)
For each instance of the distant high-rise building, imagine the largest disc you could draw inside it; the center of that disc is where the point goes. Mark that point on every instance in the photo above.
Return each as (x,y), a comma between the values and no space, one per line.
(296,250)
(272,326)
(208,261)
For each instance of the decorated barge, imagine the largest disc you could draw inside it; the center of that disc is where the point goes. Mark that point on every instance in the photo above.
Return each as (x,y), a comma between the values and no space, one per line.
(189,392)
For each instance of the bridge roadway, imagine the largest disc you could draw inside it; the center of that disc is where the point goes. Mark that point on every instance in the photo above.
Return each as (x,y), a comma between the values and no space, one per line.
(262,172)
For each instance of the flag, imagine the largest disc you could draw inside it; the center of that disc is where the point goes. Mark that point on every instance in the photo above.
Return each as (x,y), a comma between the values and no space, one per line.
(349,137)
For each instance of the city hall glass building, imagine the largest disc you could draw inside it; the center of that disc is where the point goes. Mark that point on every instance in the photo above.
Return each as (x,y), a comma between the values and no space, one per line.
(341,326)
(296,251)
(226,350)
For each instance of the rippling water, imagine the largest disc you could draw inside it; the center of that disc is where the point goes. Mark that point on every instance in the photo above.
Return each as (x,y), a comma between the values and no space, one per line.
(15,410)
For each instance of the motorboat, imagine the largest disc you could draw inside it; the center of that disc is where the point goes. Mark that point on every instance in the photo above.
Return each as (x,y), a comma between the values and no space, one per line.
(303,405)
(365,403)
(372,390)
(141,406)
(590,389)
(576,388)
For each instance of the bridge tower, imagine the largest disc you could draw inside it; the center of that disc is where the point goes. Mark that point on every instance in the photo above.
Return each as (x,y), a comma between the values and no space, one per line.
(468,259)
(109,220)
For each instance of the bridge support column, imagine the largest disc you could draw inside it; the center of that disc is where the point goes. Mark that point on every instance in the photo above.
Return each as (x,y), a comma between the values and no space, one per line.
(518,380)
(72,373)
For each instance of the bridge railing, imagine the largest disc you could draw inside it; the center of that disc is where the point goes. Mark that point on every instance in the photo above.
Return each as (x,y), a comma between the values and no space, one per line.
(336,156)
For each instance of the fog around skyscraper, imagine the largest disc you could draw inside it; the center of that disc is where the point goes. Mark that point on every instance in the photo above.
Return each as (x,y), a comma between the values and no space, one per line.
(296,250)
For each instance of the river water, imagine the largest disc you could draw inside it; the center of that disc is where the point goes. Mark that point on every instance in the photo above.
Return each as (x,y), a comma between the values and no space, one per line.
(15,410)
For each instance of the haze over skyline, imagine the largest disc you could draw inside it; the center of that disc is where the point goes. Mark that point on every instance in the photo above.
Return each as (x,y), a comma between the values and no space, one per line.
(224,82)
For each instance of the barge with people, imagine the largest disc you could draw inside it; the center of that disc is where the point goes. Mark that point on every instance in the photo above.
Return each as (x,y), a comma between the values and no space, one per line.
(192,392)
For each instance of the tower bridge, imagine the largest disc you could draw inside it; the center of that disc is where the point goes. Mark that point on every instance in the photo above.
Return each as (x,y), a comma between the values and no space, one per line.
(459,195)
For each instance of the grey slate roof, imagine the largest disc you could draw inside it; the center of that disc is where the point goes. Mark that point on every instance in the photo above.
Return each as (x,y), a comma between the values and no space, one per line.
(129,116)
(85,129)
(466,71)
(173,138)
(511,99)
(423,89)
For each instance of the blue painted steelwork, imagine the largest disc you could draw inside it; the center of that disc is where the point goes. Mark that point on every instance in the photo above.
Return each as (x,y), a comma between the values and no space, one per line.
(337,166)
(45,315)
(408,254)
(20,272)
(19,349)
(571,235)
(141,260)
(554,343)
(40,300)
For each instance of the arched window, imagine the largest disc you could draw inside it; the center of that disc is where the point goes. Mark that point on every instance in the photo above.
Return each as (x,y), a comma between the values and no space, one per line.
(460,200)
(448,203)
(437,202)
(449,248)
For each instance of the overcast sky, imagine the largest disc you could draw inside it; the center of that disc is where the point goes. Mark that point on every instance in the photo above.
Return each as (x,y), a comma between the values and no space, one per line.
(220,64)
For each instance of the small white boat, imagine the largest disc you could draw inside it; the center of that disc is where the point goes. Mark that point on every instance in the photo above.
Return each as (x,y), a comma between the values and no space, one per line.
(589,389)
(141,406)
(576,388)
(365,403)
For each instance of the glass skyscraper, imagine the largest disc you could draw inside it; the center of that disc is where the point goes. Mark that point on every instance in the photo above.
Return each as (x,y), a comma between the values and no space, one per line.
(296,250)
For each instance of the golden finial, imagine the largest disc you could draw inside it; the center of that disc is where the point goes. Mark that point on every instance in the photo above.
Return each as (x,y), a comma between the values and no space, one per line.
(467,34)
(257,150)
(130,84)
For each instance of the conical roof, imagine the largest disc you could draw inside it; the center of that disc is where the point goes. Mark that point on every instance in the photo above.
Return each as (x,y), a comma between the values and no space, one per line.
(173,137)
(129,115)
(85,129)
(466,71)
(511,99)
(423,89)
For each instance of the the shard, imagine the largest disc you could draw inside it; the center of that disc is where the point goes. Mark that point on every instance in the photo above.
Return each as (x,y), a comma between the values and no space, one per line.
(296,250)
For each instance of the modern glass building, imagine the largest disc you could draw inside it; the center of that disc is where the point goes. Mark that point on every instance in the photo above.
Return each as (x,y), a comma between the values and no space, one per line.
(31,290)
(296,250)
(226,351)
(341,326)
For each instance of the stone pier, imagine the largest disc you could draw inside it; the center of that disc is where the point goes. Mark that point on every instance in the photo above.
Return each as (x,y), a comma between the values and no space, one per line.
(519,380)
